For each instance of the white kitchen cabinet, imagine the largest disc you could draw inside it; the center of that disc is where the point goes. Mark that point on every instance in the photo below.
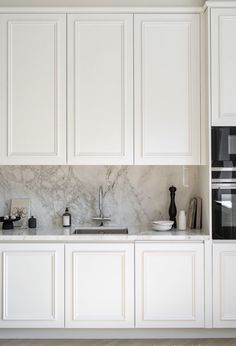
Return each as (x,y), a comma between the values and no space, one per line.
(33,89)
(100,285)
(169,285)
(223,67)
(92,68)
(100,89)
(32,285)
(167,88)
(224,285)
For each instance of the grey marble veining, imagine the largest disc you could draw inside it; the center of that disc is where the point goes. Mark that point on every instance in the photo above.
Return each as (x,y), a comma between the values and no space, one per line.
(134,195)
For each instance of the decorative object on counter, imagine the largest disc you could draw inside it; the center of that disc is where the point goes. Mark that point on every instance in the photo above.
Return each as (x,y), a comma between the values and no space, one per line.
(32,222)
(20,207)
(8,221)
(162,225)
(172,208)
(182,220)
(195,213)
(199,213)
(66,218)
(192,213)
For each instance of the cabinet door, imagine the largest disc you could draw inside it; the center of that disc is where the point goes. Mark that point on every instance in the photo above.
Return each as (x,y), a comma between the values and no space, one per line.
(33,89)
(224,285)
(32,286)
(223,67)
(167,89)
(100,94)
(100,286)
(169,285)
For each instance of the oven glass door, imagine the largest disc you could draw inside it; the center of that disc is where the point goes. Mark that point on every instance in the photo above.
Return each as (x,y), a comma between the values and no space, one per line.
(224,212)
(223,146)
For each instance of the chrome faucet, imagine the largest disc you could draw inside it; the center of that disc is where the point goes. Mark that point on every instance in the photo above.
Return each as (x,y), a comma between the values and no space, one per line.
(101,216)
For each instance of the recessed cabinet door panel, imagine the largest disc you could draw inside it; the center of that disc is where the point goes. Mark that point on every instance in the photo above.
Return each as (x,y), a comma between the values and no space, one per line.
(33,88)
(169,285)
(223,67)
(32,286)
(224,285)
(100,60)
(100,286)
(167,88)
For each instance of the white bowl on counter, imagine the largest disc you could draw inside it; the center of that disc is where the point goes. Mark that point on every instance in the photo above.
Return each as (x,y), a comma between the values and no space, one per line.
(162,225)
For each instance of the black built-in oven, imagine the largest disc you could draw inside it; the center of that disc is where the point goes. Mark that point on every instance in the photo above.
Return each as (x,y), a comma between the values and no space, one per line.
(224,182)
(224,210)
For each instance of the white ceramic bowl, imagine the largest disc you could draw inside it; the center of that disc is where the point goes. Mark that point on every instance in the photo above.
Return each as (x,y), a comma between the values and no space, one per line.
(162,225)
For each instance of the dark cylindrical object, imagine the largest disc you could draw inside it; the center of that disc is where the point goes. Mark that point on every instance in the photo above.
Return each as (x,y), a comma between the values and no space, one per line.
(172,208)
(66,218)
(32,223)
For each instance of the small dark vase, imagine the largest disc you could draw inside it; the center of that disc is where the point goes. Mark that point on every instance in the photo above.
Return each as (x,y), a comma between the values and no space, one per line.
(172,208)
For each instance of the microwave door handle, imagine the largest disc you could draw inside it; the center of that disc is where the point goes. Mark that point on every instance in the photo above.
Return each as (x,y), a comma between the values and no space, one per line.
(224,186)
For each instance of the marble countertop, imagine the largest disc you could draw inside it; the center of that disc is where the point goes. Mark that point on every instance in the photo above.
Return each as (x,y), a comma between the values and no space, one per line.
(59,234)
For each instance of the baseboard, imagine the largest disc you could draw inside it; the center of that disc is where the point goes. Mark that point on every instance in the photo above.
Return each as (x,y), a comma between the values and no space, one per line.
(116,333)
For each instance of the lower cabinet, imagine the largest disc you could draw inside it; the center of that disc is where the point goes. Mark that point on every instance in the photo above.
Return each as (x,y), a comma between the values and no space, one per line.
(100,285)
(169,285)
(32,285)
(224,285)
(100,291)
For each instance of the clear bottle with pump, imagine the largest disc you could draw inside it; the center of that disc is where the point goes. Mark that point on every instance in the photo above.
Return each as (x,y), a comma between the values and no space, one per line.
(66,218)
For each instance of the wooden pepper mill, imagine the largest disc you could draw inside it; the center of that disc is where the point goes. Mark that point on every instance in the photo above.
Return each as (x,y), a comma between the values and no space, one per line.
(172,208)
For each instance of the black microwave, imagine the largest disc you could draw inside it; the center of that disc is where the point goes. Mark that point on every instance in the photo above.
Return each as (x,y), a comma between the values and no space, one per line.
(223,140)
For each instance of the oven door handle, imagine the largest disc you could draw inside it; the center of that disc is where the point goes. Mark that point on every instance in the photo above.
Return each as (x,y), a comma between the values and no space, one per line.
(224,186)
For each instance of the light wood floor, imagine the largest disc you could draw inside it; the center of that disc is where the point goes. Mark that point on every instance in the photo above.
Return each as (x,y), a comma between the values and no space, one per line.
(195,342)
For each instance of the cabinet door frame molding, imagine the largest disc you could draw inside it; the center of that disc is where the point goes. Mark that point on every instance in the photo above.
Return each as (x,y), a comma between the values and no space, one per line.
(53,255)
(146,25)
(77,23)
(223,110)
(121,255)
(224,278)
(53,149)
(194,253)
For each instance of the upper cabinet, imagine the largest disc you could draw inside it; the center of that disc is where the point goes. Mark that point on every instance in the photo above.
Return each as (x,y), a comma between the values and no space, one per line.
(223,67)
(33,88)
(66,88)
(167,88)
(100,89)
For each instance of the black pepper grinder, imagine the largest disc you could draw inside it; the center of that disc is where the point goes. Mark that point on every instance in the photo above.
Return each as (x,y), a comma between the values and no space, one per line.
(172,208)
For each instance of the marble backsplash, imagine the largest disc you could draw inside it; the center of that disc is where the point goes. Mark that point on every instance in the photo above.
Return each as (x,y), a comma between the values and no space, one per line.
(134,195)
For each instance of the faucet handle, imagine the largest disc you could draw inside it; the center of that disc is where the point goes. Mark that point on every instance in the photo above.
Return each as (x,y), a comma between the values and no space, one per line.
(97,218)
(102,220)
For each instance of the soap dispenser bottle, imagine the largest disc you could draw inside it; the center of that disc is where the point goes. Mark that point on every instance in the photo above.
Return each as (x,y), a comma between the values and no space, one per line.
(32,222)
(66,218)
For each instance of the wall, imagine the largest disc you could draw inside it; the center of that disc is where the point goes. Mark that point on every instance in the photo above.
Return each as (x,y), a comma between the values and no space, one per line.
(134,195)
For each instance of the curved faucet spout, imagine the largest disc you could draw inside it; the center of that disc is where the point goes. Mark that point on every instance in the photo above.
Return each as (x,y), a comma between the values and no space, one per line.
(101,201)
(101,216)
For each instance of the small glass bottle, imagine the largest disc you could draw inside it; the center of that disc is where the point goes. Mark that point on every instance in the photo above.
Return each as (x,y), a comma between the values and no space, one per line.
(182,220)
(66,218)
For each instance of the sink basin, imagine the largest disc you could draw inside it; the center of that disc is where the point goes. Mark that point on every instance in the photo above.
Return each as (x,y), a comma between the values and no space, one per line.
(101,230)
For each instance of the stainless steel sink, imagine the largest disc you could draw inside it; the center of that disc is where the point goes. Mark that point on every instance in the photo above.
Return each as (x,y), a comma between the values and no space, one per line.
(101,230)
